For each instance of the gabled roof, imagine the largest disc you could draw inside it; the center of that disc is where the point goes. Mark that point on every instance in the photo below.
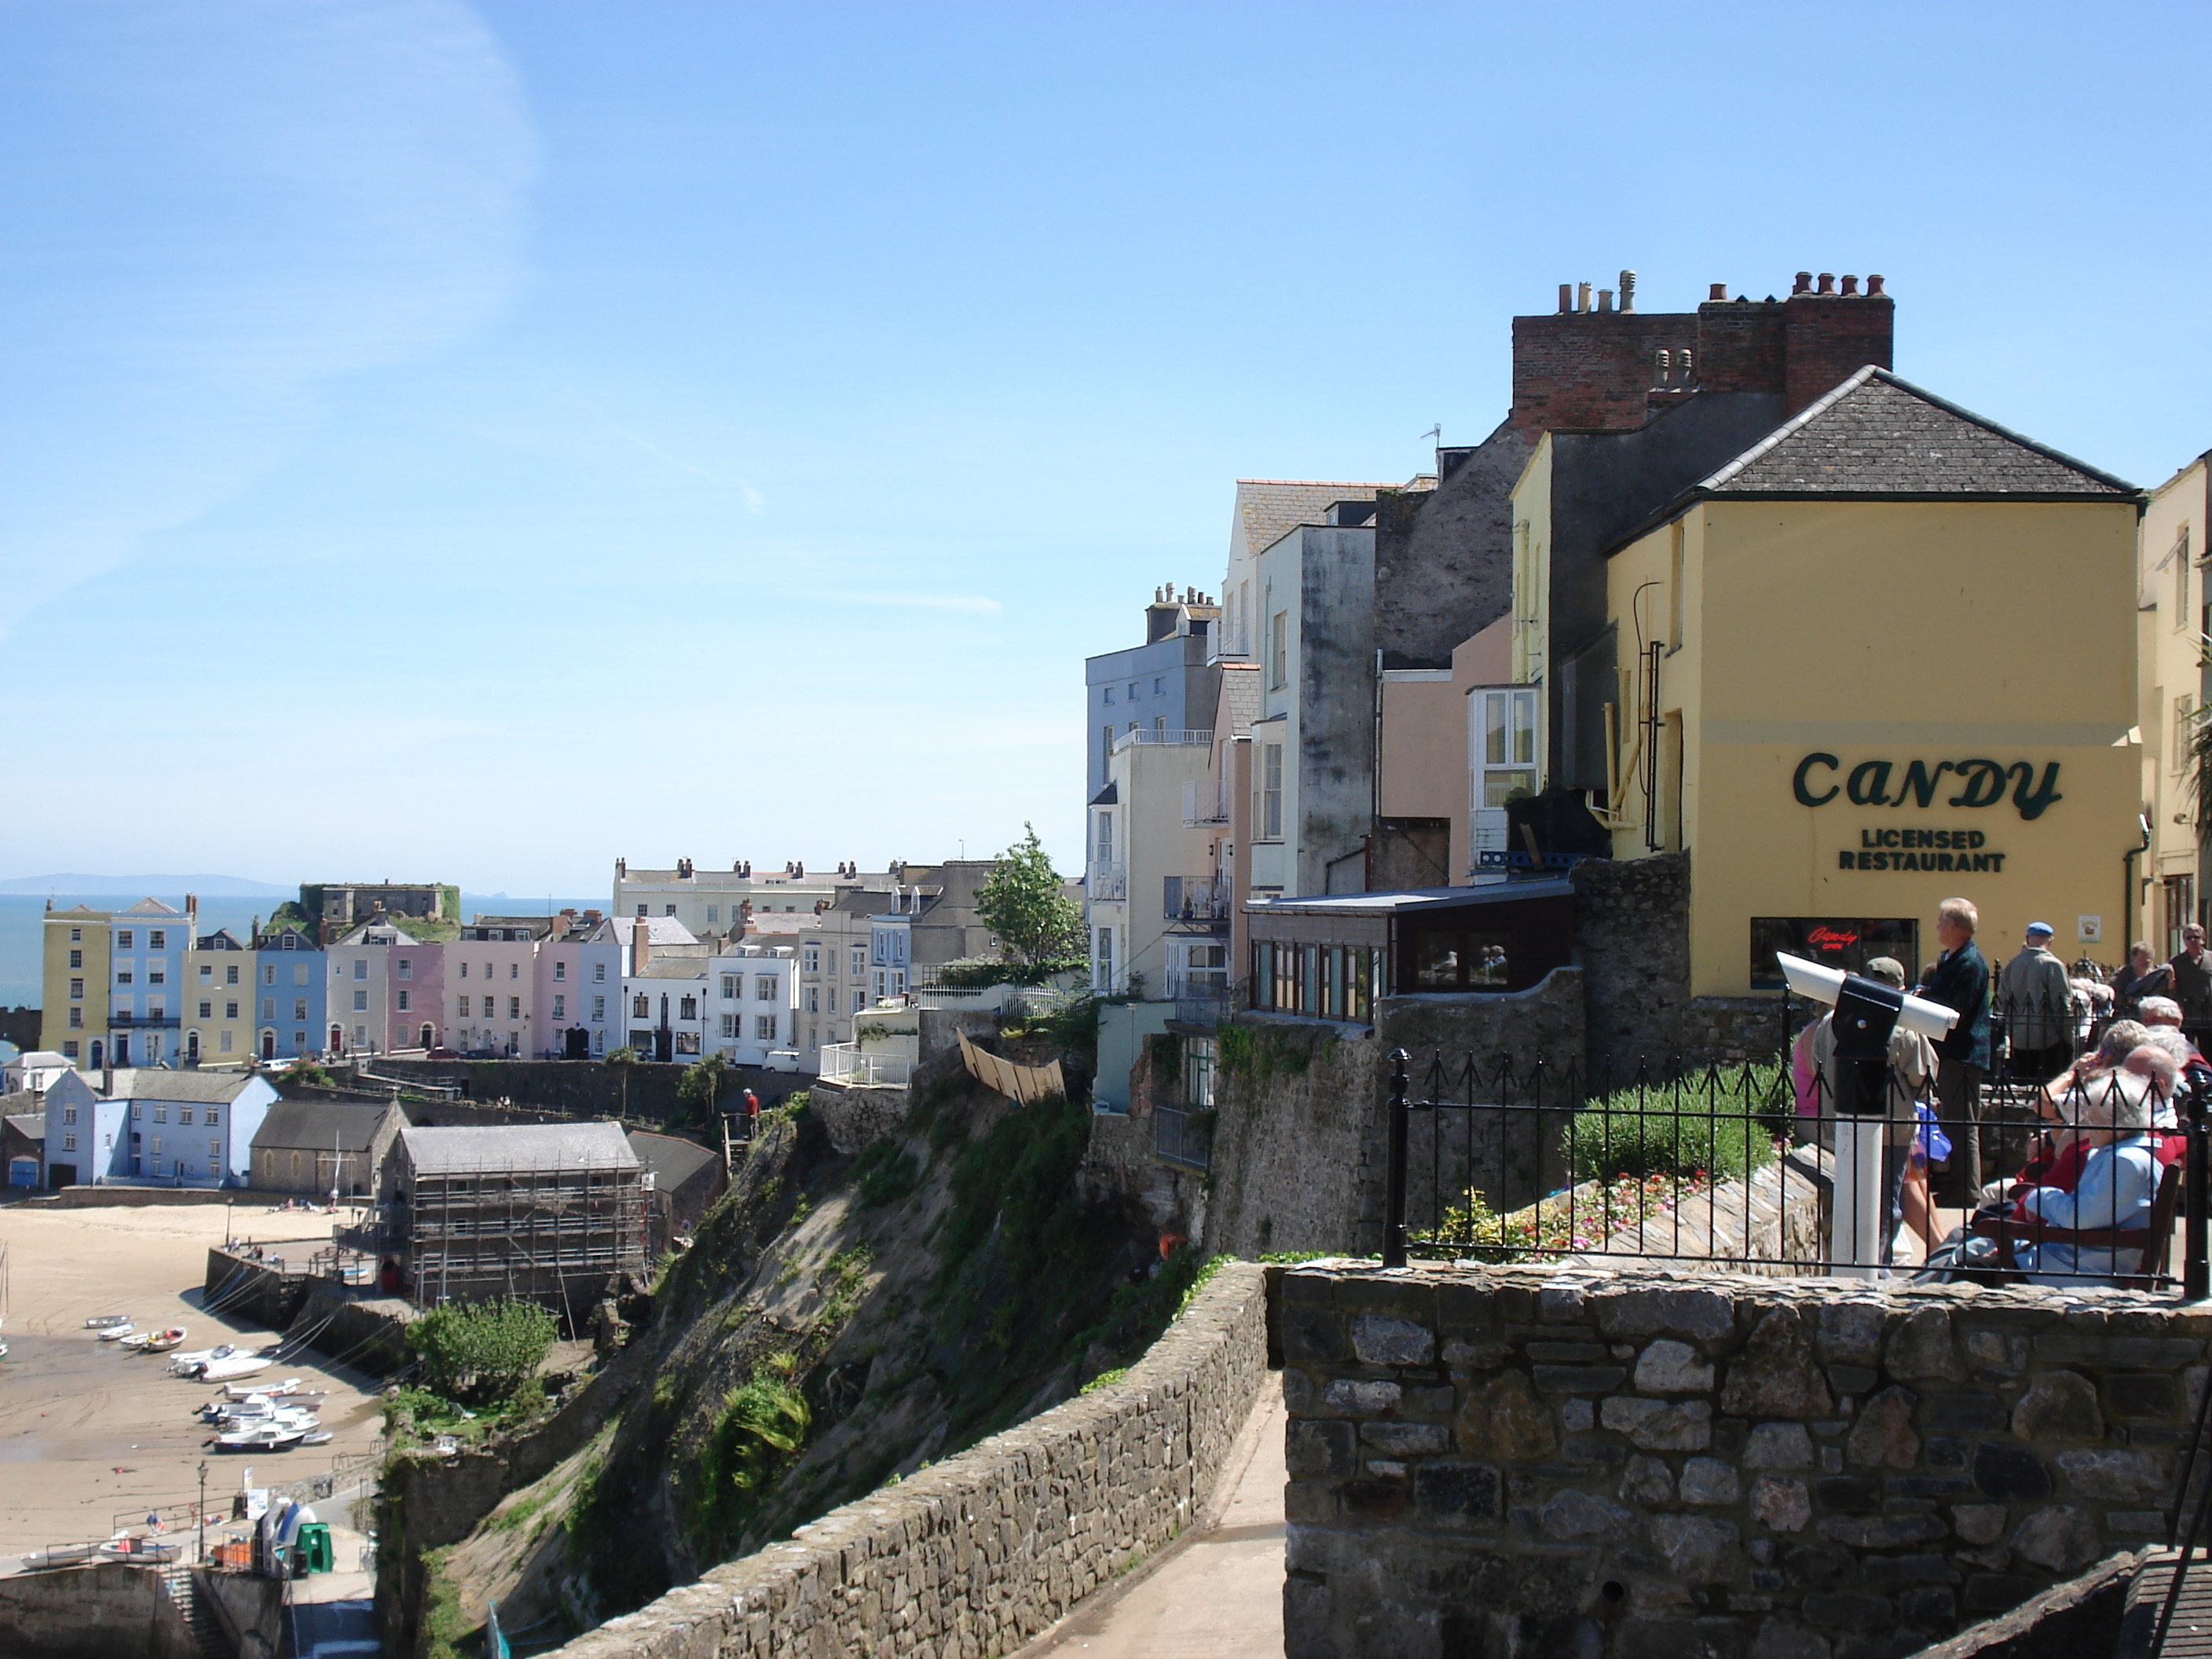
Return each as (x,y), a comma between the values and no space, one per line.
(150,907)
(1876,434)
(32,1126)
(672,1160)
(519,1146)
(222,939)
(1268,508)
(360,935)
(152,1083)
(319,1126)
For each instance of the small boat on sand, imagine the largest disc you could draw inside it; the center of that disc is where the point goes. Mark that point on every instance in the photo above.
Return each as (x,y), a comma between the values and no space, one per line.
(188,1365)
(261,1437)
(115,1334)
(316,1437)
(234,1365)
(162,1342)
(290,1389)
(101,1322)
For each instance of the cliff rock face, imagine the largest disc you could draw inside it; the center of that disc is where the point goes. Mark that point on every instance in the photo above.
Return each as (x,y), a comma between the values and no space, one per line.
(838,1321)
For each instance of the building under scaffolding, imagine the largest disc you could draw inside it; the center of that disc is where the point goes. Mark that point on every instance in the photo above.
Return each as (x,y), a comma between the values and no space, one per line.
(545,1212)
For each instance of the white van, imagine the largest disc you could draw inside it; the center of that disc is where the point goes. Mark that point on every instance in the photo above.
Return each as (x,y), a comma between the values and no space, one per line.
(781,1059)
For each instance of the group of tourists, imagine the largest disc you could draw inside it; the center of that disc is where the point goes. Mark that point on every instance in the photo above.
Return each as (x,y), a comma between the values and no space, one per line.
(2107,1074)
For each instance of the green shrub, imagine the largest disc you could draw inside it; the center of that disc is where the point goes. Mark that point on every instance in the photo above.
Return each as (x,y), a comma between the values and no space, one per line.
(884,1173)
(1721,1125)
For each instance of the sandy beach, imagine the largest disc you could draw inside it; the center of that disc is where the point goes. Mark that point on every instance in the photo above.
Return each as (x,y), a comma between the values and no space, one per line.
(91,1433)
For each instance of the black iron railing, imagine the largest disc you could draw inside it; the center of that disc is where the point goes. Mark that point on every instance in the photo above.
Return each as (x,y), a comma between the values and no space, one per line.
(2084,1176)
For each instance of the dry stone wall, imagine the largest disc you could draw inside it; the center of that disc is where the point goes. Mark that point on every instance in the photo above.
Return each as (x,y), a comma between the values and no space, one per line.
(978,1554)
(1504,1461)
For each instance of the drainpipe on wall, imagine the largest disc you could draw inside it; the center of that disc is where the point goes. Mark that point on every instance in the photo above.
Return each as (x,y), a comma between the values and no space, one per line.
(2128,885)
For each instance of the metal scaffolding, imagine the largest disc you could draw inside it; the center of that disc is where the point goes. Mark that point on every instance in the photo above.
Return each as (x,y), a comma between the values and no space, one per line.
(539,1235)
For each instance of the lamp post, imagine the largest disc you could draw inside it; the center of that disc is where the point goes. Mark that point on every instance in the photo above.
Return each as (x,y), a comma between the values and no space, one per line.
(202,1516)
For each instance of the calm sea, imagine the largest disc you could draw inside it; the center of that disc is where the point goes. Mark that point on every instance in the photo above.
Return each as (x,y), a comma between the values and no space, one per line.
(22,916)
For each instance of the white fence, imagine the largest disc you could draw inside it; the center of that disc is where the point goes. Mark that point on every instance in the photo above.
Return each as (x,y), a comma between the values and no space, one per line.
(844,1062)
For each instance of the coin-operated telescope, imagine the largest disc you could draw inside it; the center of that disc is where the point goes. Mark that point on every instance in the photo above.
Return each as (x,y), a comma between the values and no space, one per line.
(1867,1012)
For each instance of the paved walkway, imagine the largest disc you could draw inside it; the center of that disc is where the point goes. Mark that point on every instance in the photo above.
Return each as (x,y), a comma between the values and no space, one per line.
(1219,1595)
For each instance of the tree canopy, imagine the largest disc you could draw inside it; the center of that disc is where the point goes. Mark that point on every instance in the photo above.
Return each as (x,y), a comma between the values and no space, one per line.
(1025,905)
(490,1348)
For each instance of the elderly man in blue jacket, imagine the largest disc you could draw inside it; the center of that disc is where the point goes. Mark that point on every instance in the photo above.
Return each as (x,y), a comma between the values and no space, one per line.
(1961,981)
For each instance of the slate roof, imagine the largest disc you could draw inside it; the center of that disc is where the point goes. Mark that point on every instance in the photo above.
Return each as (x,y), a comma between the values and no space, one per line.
(152,1083)
(673,1161)
(519,1146)
(1267,508)
(1876,434)
(1240,696)
(150,907)
(316,1125)
(32,1126)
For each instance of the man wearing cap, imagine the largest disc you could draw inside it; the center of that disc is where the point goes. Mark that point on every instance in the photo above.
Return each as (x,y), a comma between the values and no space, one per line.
(2032,1001)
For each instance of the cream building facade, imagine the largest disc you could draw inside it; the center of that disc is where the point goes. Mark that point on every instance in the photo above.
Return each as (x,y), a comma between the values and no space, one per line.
(2172,625)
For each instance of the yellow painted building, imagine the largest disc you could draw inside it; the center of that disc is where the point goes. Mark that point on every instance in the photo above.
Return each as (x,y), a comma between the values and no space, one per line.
(76,973)
(217,1004)
(1896,661)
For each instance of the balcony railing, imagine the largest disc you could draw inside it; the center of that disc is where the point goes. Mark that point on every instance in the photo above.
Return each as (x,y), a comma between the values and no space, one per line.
(1195,899)
(844,1062)
(1204,801)
(1145,734)
(1177,1139)
(1107,881)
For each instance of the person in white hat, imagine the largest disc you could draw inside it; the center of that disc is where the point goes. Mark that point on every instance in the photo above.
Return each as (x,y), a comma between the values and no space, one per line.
(2033,1001)
(2118,1181)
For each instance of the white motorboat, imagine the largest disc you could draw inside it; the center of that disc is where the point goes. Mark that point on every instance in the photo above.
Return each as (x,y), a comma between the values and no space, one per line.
(262,1437)
(248,1390)
(115,1334)
(140,1549)
(235,1365)
(316,1437)
(101,1322)
(188,1365)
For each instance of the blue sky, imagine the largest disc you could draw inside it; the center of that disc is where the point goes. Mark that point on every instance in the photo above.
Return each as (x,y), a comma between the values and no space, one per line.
(476,442)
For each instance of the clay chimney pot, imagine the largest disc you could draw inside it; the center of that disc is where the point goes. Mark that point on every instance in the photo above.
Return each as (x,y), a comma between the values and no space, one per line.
(1873,287)
(1804,284)
(1717,292)
(1566,297)
(1851,285)
(1827,282)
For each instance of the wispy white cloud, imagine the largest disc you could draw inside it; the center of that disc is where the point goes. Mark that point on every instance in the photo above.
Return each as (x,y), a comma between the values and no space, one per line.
(981,604)
(212,212)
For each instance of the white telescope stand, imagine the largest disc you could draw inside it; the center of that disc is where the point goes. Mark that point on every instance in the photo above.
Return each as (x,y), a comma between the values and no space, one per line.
(1857,1214)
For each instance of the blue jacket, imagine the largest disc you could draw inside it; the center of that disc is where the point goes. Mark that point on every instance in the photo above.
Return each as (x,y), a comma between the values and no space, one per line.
(1962,981)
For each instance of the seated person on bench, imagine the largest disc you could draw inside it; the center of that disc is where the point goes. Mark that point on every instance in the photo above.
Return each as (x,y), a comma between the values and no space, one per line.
(2116,1183)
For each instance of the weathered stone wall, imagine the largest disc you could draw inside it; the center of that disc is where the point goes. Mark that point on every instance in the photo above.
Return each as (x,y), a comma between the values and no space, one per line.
(1511,1460)
(131,1198)
(857,1118)
(245,1289)
(1633,940)
(1299,1134)
(1297,1154)
(105,1611)
(982,1552)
